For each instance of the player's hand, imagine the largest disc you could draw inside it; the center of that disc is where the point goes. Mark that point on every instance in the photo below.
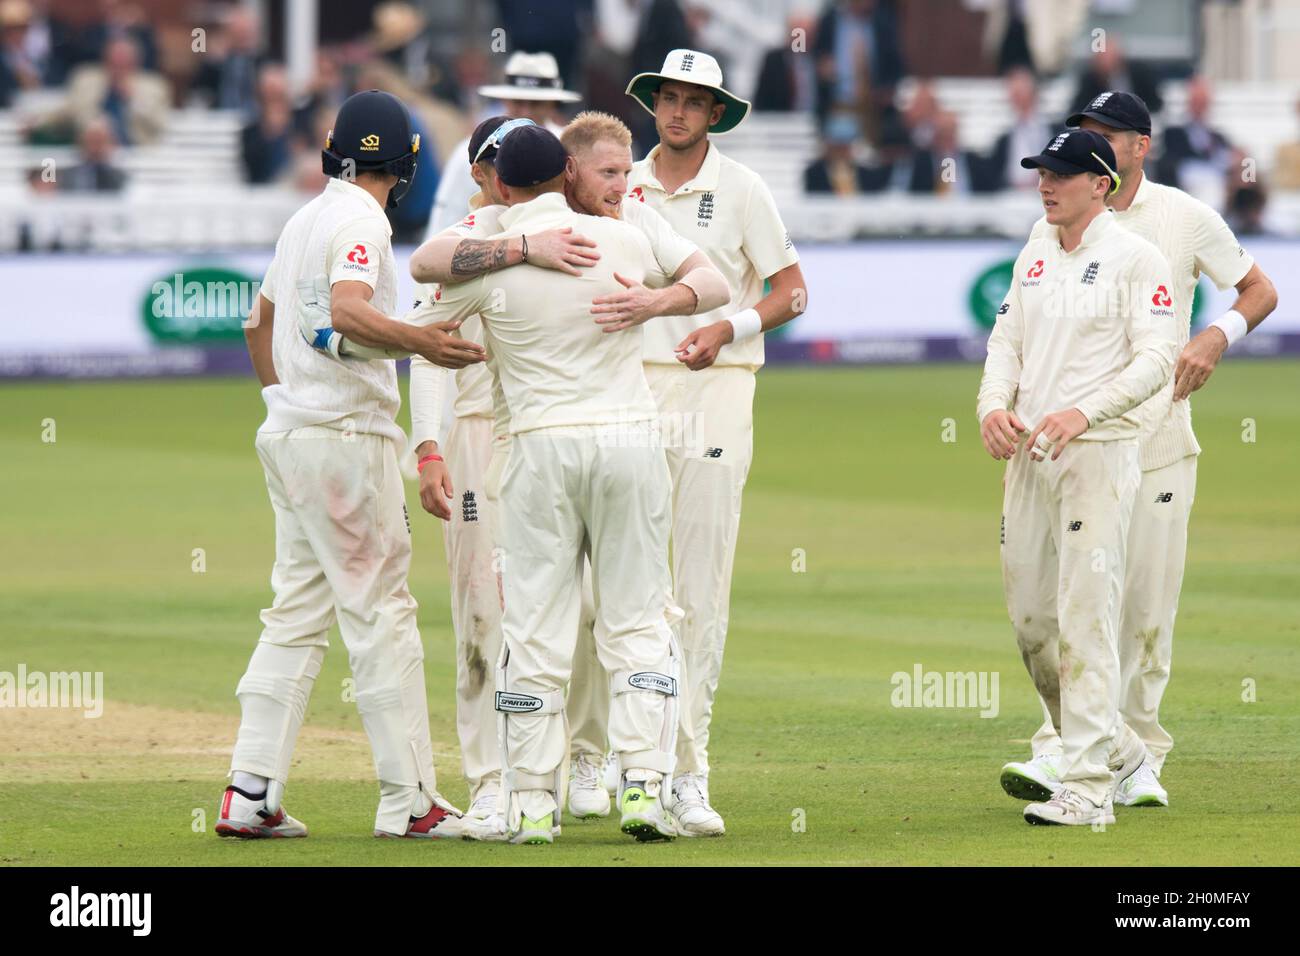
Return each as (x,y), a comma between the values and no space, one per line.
(436,490)
(700,349)
(1198,362)
(561,250)
(437,343)
(1001,432)
(1057,430)
(622,310)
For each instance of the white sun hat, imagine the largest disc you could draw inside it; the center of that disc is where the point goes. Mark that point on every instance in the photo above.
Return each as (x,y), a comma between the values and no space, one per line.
(531,76)
(691,66)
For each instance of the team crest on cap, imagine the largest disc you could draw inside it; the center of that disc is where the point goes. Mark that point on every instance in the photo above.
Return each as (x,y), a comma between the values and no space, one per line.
(1058,142)
(370,143)
(1100,101)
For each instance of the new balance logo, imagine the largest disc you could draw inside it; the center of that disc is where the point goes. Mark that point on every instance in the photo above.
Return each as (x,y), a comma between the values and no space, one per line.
(713,453)
(1165,497)
(1075,525)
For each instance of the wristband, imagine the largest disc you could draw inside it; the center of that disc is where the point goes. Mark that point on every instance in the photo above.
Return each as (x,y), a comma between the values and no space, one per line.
(745,325)
(419,467)
(525,249)
(1233,326)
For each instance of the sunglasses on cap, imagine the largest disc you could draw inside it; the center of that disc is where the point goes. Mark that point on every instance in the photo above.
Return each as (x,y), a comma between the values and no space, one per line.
(499,134)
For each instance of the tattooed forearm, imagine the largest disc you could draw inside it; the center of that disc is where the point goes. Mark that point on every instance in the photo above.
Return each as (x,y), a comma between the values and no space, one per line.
(476,256)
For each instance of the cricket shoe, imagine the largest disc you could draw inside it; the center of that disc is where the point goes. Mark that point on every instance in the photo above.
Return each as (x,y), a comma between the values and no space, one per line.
(1128,757)
(1142,789)
(691,814)
(1070,809)
(484,820)
(245,816)
(1036,779)
(535,831)
(588,798)
(643,811)
(441,822)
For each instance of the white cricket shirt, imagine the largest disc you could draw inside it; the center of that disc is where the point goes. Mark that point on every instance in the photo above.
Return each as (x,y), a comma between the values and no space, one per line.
(1195,240)
(1093,329)
(344,234)
(728,212)
(555,364)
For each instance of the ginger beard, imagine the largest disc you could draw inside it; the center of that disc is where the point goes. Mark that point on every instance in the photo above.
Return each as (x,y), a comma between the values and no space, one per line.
(595,179)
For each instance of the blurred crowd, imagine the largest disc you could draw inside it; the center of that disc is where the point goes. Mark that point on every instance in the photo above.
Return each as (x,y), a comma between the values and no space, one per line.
(112,70)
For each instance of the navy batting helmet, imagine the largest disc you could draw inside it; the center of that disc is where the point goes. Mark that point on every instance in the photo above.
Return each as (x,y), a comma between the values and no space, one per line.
(372,133)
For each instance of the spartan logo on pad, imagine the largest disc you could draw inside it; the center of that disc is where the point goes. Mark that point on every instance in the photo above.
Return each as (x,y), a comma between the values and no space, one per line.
(359,255)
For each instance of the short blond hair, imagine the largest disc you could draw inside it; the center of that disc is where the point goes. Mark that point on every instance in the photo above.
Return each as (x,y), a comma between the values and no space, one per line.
(591,127)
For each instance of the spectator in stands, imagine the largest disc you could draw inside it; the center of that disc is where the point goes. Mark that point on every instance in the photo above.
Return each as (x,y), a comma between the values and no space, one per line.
(1001,169)
(1030,33)
(836,171)
(94,172)
(941,167)
(787,80)
(1195,150)
(401,40)
(859,59)
(135,103)
(1286,167)
(325,95)
(18,69)
(1108,69)
(228,78)
(80,34)
(267,140)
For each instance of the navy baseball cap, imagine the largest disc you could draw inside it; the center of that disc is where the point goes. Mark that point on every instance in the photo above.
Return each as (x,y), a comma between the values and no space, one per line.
(1118,110)
(1077,151)
(481,132)
(528,156)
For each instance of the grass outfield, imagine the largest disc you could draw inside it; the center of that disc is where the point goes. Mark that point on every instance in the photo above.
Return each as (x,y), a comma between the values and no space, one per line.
(900,532)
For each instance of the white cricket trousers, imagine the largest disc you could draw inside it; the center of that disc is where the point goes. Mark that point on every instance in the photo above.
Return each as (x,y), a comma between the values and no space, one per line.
(1153,580)
(1064,539)
(342,553)
(476,461)
(564,491)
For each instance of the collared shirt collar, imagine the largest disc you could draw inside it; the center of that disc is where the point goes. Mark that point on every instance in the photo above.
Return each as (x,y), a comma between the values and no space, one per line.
(344,188)
(1143,192)
(706,180)
(547,204)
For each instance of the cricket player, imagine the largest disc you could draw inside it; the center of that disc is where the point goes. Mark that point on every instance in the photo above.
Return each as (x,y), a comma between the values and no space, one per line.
(329,453)
(600,159)
(583,478)
(1195,240)
(1086,334)
(701,370)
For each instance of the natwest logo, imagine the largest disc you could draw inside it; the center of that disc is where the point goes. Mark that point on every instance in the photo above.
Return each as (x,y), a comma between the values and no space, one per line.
(1162,297)
(1036,270)
(638,193)
(358,255)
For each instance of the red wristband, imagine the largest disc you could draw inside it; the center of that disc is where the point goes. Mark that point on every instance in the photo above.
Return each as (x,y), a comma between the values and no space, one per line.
(425,460)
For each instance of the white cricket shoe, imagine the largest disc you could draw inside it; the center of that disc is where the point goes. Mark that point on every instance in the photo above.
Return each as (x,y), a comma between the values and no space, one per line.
(1128,757)
(1070,809)
(484,820)
(690,811)
(246,817)
(588,798)
(1036,779)
(1142,789)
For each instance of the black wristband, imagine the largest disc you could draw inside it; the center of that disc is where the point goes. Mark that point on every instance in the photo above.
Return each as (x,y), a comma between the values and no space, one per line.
(525,239)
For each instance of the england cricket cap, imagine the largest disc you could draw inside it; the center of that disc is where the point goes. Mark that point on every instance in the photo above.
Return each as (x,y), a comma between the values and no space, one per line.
(1077,151)
(1118,110)
(481,132)
(528,156)
(691,66)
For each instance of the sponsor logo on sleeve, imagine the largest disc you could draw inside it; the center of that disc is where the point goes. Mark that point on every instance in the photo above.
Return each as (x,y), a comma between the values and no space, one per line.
(359,256)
